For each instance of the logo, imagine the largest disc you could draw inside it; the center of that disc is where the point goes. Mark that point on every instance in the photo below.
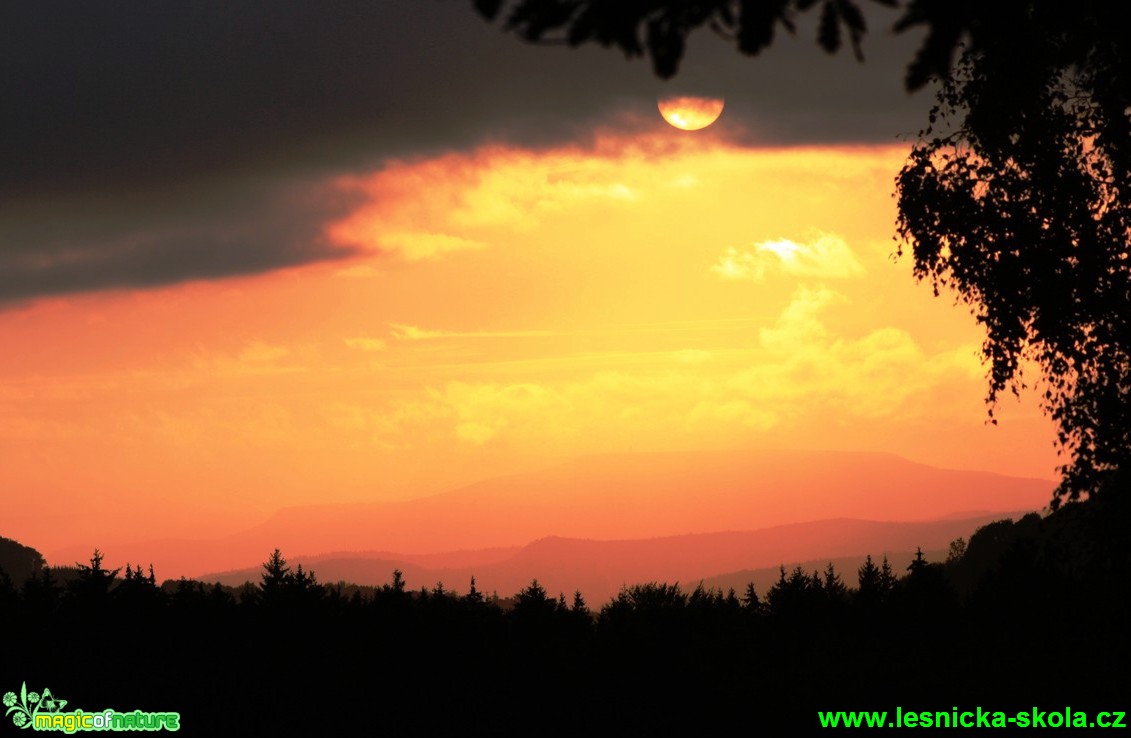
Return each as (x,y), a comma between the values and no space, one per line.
(45,712)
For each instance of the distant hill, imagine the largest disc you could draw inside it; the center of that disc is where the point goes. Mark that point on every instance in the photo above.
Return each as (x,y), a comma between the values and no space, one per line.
(600,568)
(610,497)
(646,495)
(606,497)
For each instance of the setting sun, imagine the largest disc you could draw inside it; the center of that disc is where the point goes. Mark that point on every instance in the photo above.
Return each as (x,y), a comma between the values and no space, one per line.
(691,113)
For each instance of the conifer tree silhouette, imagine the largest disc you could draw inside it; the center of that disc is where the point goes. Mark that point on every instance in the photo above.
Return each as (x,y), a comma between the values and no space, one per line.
(93,582)
(750,599)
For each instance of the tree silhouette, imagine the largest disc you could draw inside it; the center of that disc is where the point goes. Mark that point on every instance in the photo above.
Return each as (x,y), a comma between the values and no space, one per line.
(473,595)
(1017,195)
(535,611)
(659,28)
(926,589)
(871,586)
(9,595)
(650,597)
(750,598)
(956,551)
(868,576)
(918,564)
(887,578)
(579,607)
(42,591)
(19,561)
(797,596)
(651,647)
(835,590)
(275,579)
(138,591)
(532,601)
(93,582)
(304,587)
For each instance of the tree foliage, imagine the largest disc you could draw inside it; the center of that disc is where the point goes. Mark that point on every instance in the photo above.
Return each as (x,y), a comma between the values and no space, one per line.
(1017,196)
(276,574)
(19,561)
(659,28)
(93,580)
(280,584)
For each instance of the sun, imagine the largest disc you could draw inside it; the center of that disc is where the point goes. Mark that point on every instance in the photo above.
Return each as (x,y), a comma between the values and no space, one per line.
(690,113)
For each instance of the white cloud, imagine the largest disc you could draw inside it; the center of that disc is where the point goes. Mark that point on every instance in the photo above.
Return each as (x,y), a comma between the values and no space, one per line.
(799,326)
(809,370)
(825,256)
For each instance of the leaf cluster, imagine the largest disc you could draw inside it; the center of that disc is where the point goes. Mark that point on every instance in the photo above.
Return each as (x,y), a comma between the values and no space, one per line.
(1017,197)
(659,28)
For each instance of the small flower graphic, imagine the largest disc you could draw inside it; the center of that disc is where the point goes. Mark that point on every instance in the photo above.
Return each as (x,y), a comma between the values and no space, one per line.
(32,697)
(19,719)
(9,699)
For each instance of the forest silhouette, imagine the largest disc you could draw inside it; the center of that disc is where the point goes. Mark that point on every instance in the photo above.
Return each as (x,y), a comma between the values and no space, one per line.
(1022,615)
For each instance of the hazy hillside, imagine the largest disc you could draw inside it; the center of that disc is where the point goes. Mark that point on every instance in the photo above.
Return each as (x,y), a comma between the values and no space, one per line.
(600,568)
(613,497)
(662,494)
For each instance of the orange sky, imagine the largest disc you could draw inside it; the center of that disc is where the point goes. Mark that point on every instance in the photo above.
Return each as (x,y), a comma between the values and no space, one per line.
(511,308)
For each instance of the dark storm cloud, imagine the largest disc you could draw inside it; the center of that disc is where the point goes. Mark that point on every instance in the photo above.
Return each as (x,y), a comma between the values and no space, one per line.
(148,241)
(110,104)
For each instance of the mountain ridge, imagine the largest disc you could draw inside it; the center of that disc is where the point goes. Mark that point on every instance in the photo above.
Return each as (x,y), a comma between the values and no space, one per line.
(600,568)
(606,497)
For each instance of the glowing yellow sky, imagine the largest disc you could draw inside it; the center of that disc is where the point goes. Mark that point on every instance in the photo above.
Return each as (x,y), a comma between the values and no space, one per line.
(512,307)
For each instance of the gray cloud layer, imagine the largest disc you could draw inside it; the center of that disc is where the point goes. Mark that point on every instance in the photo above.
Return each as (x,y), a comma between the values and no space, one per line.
(164,238)
(141,140)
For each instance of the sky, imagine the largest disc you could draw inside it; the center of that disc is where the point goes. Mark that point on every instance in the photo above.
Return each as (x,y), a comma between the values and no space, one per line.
(254,257)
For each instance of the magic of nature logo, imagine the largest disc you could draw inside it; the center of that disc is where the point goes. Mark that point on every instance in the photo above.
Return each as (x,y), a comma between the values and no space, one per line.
(44,711)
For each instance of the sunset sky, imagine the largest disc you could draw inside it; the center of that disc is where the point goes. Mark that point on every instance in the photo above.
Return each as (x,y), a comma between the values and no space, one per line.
(253,257)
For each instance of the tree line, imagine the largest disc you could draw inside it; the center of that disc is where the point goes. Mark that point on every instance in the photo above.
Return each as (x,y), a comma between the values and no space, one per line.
(1024,613)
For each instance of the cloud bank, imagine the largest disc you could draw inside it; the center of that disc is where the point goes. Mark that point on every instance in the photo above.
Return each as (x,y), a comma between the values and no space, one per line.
(146,143)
